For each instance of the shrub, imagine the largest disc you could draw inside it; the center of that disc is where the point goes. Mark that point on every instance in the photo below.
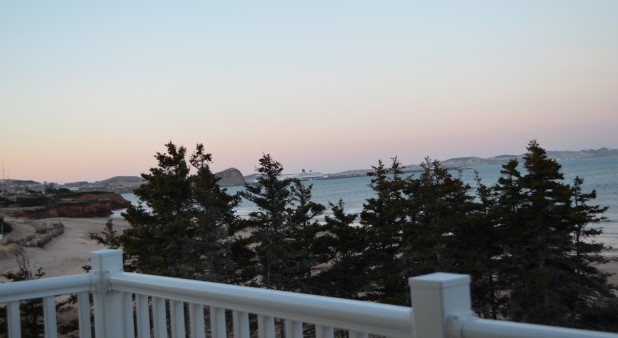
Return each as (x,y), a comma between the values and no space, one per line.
(6,227)
(31,201)
(50,232)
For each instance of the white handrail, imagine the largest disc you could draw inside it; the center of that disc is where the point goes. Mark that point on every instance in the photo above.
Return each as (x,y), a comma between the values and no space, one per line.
(486,328)
(40,288)
(375,318)
(47,289)
(441,301)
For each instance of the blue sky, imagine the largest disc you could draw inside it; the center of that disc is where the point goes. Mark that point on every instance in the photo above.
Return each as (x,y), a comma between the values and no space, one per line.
(93,90)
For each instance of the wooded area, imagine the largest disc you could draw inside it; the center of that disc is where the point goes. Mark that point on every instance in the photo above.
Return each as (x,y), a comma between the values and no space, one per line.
(528,241)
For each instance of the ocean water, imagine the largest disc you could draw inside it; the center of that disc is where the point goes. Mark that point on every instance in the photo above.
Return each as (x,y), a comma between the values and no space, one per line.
(600,174)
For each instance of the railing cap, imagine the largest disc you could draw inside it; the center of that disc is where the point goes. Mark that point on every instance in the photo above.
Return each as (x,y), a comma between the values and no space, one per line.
(106,261)
(106,252)
(439,280)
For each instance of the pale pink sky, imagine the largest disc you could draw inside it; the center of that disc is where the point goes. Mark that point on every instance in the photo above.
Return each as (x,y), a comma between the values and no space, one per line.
(90,91)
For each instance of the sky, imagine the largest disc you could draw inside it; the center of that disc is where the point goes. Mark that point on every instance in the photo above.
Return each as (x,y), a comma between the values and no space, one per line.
(91,90)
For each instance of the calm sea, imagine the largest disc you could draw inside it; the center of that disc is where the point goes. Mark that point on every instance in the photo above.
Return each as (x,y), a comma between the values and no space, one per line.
(600,174)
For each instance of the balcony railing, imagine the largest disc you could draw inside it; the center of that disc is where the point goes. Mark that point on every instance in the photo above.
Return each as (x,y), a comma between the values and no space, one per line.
(136,305)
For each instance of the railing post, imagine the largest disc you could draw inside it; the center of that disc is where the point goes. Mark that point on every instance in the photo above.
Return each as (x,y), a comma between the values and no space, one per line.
(436,298)
(109,318)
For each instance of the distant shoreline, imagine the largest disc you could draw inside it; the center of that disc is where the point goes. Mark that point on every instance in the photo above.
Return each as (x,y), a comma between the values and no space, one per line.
(126,184)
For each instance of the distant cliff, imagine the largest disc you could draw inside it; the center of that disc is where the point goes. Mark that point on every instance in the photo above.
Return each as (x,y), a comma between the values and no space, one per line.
(81,204)
(230,177)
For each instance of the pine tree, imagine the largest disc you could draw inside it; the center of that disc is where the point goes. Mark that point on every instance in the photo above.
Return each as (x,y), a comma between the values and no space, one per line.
(268,226)
(303,228)
(156,242)
(179,226)
(596,304)
(449,229)
(384,217)
(438,208)
(281,231)
(484,251)
(214,218)
(342,246)
(584,218)
(542,233)
(108,237)
(539,244)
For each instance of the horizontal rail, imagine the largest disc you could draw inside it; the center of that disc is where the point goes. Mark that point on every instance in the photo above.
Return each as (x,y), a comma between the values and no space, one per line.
(487,328)
(45,287)
(375,318)
(442,307)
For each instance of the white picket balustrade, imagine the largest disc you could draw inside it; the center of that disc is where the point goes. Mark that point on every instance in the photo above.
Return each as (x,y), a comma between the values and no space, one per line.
(136,305)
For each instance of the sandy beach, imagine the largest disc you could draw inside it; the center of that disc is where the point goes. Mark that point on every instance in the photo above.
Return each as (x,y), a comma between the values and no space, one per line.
(67,253)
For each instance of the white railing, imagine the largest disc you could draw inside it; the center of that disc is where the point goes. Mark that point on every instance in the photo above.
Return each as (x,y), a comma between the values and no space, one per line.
(47,289)
(135,305)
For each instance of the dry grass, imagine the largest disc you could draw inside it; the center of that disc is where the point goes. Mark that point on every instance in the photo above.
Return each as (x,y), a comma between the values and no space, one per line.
(10,250)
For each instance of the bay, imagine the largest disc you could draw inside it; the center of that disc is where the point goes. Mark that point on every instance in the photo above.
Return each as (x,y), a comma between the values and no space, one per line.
(600,174)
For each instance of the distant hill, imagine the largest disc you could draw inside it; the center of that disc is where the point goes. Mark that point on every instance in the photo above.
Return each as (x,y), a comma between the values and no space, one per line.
(502,159)
(476,161)
(229,177)
(233,176)
(121,181)
(588,153)
(117,184)
(471,161)
(19,182)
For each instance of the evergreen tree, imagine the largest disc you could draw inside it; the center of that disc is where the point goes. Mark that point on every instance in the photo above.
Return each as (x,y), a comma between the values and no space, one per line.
(342,246)
(384,217)
(108,237)
(267,226)
(214,218)
(596,305)
(178,227)
(303,229)
(585,216)
(542,229)
(156,242)
(282,230)
(438,208)
(302,210)
(539,244)
(484,252)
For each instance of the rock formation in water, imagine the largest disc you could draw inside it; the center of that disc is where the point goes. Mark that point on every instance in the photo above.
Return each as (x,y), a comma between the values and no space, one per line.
(229,177)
